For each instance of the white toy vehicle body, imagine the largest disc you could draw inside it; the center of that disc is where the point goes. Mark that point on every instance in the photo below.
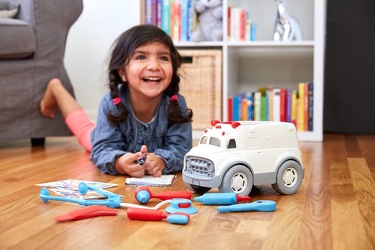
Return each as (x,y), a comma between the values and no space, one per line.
(235,156)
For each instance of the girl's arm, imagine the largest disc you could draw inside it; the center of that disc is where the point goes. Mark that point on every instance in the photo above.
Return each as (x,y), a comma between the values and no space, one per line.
(106,139)
(177,142)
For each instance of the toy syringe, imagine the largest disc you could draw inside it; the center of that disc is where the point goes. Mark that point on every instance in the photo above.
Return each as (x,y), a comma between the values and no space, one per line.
(221,198)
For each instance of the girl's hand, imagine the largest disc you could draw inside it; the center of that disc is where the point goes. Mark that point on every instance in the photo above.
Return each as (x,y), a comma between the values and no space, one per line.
(154,165)
(127,164)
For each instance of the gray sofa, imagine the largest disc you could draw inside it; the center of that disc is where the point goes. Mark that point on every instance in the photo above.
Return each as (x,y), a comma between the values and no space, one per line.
(32,47)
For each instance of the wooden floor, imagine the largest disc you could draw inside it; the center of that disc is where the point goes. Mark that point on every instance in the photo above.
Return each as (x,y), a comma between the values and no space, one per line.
(333,209)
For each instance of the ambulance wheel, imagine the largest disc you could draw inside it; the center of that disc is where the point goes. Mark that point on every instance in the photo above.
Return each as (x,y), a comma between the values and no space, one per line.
(238,179)
(288,178)
(197,189)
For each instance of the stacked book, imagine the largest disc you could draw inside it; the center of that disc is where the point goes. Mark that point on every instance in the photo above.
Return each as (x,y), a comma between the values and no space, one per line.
(275,104)
(176,17)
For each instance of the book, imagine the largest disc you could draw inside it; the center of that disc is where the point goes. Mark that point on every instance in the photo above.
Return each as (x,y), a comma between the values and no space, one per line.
(147,180)
(257,103)
(289,105)
(282,105)
(166,16)
(310,106)
(276,104)
(230,108)
(249,99)
(294,107)
(301,107)
(69,188)
(306,107)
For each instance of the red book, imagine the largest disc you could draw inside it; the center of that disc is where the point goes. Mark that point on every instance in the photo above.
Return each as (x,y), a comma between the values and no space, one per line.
(230,109)
(282,105)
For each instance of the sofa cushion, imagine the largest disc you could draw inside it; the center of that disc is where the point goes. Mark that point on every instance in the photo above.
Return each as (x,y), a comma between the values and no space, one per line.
(8,9)
(17,39)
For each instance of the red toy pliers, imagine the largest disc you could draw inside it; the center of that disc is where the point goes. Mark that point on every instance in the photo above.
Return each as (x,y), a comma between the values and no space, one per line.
(87,212)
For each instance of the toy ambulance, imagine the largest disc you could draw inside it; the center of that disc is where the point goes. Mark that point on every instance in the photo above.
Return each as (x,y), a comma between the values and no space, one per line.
(235,156)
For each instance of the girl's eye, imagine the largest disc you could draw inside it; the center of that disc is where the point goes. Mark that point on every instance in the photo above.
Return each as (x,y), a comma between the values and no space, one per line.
(140,57)
(164,58)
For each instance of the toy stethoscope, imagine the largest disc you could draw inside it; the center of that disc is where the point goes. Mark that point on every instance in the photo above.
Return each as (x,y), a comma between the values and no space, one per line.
(135,212)
(112,201)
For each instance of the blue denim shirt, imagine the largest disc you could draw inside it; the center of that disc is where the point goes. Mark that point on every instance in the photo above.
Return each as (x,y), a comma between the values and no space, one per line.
(113,139)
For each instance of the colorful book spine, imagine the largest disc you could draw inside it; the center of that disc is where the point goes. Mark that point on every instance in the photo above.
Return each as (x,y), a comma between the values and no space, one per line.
(250,104)
(282,105)
(159,13)
(311,106)
(236,108)
(230,108)
(148,11)
(166,16)
(306,107)
(301,107)
(184,20)
(270,104)
(276,104)
(289,105)
(257,103)
(244,109)
(263,108)
(294,107)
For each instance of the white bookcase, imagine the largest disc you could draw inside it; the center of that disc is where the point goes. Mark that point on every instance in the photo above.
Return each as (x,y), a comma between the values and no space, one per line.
(264,62)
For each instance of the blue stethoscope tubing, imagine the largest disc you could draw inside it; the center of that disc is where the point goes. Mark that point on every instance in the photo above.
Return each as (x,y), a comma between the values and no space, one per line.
(112,201)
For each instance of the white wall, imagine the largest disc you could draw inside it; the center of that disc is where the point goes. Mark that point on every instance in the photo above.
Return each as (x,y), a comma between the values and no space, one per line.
(88,45)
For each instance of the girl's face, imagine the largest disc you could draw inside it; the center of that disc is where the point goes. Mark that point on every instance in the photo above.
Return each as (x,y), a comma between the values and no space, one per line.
(149,71)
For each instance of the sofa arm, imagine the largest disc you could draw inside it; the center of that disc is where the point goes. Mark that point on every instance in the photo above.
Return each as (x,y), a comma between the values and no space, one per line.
(25,11)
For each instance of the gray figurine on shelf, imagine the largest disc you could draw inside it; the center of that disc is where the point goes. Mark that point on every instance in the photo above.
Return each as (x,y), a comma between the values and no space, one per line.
(287,28)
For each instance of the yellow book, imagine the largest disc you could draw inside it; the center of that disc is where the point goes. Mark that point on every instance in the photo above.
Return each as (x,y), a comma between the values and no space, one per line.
(301,107)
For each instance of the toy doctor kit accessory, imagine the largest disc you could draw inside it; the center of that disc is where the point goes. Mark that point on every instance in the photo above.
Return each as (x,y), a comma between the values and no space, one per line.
(112,201)
(143,194)
(87,212)
(261,205)
(149,215)
(181,205)
(221,198)
(141,160)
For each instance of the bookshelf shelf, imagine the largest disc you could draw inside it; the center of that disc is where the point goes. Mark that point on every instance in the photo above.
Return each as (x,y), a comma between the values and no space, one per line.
(248,65)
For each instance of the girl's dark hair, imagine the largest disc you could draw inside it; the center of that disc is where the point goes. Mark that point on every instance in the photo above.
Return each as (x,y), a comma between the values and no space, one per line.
(122,50)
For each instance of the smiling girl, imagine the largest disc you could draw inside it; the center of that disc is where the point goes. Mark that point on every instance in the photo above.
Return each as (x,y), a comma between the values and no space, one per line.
(142,115)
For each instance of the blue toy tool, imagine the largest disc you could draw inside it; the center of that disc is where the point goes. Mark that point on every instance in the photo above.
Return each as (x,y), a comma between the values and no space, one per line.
(143,194)
(113,200)
(180,205)
(221,198)
(261,205)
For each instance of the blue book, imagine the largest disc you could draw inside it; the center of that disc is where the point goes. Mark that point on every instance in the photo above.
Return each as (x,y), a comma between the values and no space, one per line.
(250,104)
(166,16)
(191,15)
(184,20)
(236,107)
